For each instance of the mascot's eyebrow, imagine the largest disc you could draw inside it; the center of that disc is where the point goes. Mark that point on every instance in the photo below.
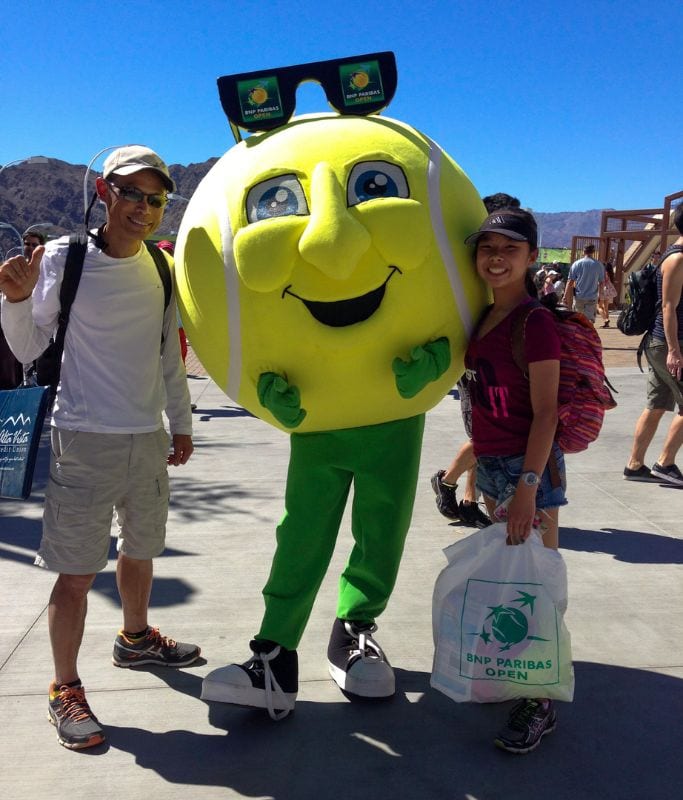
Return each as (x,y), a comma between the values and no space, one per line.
(276,172)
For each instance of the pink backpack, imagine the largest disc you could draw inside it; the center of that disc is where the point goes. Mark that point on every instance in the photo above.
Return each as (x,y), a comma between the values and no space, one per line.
(584,392)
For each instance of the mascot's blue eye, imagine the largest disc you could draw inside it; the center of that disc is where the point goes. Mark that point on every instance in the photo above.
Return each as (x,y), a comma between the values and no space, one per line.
(370,180)
(277,197)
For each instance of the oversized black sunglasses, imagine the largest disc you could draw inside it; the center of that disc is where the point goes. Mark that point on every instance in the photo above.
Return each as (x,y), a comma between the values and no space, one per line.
(264,100)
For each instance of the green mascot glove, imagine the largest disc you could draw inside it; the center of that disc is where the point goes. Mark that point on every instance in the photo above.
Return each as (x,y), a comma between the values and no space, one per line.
(427,363)
(281,399)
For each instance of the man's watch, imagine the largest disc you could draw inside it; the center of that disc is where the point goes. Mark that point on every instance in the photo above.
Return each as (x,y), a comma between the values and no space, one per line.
(530,478)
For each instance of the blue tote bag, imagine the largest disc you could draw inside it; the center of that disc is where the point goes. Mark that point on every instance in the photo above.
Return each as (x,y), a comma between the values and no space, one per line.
(22,413)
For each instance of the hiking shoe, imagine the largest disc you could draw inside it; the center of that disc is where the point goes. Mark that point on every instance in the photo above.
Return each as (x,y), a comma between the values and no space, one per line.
(153,649)
(68,710)
(669,474)
(270,679)
(529,722)
(471,514)
(445,496)
(356,662)
(641,474)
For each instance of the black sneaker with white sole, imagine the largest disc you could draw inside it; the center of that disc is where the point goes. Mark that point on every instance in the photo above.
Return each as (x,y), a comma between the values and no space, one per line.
(270,679)
(642,474)
(670,474)
(356,662)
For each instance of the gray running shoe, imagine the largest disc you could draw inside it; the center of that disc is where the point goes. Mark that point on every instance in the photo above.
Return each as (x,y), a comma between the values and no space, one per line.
(153,649)
(529,722)
(77,727)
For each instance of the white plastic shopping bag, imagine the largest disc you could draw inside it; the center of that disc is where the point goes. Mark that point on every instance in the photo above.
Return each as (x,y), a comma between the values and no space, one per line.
(497,615)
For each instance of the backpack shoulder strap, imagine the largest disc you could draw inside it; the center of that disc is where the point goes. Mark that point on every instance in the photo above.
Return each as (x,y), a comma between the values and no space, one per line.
(670,251)
(73,267)
(519,332)
(163,269)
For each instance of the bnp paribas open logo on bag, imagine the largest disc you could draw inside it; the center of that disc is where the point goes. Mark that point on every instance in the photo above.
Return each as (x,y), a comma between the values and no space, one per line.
(515,638)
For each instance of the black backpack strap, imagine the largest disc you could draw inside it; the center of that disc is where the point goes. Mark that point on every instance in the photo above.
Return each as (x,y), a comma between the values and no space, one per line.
(641,350)
(73,268)
(674,248)
(163,269)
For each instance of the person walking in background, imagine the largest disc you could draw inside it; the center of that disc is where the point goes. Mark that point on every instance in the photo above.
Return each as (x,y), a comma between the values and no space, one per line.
(553,284)
(586,279)
(607,294)
(664,374)
(120,369)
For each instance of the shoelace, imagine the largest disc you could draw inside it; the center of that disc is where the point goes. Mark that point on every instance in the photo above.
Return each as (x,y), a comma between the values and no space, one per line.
(163,641)
(522,715)
(74,704)
(261,662)
(368,649)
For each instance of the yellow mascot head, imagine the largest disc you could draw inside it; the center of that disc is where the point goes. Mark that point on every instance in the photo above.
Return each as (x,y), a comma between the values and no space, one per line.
(321,251)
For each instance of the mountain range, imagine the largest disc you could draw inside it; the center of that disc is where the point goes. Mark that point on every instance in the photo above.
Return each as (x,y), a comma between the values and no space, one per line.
(52,192)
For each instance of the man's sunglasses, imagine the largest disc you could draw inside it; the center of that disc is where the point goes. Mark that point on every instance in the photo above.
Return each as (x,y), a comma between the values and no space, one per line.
(264,100)
(133,195)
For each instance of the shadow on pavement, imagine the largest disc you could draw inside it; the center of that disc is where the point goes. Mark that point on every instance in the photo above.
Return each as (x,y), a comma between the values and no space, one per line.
(634,547)
(614,742)
(206,414)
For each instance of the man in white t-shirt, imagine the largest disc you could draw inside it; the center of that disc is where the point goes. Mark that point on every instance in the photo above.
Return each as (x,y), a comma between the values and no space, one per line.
(120,369)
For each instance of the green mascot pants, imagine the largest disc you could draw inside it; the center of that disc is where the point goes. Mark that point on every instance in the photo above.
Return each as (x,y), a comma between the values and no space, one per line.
(382,461)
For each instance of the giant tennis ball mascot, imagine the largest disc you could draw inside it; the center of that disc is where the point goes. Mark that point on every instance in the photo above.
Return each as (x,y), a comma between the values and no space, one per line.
(325,287)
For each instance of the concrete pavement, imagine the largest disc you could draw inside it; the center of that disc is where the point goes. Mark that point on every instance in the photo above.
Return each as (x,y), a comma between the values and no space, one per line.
(619,739)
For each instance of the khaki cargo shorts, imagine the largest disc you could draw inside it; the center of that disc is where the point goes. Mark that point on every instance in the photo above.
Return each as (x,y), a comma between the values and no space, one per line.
(663,390)
(91,476)
(586,307)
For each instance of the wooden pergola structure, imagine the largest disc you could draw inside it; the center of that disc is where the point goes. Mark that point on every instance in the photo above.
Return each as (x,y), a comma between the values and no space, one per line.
(628,237)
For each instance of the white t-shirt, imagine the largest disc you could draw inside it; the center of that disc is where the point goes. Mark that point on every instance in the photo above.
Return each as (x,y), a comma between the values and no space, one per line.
(116,375)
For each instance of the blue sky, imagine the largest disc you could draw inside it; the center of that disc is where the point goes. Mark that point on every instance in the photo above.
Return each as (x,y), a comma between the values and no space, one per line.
(569,105)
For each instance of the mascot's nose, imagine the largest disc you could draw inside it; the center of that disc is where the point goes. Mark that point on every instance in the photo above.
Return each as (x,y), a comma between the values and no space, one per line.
(334,241)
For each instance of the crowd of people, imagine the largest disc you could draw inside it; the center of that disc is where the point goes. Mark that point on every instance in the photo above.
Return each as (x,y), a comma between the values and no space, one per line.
(110,451)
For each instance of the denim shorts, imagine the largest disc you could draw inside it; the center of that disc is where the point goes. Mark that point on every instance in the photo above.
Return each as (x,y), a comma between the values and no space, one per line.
(496,473)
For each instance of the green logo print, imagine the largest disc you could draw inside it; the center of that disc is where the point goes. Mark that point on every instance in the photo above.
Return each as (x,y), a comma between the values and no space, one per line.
(508,625)
(361,83)
(260,99)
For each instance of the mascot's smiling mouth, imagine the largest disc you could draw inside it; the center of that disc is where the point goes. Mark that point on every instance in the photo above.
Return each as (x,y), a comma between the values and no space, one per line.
(340,313)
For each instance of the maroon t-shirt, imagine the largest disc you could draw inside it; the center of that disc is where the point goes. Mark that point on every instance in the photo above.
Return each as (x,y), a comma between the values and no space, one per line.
(499,391)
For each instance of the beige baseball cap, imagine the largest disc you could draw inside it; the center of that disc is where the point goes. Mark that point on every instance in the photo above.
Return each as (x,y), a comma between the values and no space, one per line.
(134,158)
